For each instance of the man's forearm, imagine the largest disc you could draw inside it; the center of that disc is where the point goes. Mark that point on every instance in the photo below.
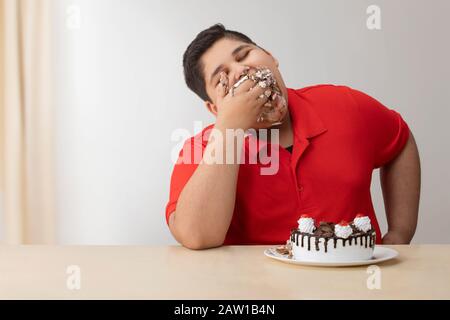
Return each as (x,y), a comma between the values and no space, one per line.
(206,204)
(400,182)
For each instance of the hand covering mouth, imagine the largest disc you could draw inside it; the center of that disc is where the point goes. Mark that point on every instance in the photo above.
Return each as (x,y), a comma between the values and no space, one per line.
(263,77)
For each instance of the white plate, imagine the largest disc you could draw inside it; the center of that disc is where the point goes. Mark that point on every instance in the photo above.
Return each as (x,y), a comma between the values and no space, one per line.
(380,254)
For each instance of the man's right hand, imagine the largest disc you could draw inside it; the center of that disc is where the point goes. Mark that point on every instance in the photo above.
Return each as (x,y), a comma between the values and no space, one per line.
(241,110)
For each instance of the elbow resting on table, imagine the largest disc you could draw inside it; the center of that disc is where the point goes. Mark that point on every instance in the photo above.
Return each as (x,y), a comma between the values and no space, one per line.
(195,244)
(193,240)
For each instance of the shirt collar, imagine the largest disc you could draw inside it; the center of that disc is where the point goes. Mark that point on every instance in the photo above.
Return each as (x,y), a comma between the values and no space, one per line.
(305,121)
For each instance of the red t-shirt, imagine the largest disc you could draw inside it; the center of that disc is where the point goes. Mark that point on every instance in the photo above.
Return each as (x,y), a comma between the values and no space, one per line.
(340,136)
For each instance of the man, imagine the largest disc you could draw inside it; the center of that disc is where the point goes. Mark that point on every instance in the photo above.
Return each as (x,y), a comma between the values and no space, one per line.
(330,140)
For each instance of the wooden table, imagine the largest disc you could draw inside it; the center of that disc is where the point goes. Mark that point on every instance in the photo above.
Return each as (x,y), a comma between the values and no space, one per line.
(235,272)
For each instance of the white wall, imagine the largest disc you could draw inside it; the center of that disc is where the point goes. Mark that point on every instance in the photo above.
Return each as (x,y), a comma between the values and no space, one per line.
(120,94)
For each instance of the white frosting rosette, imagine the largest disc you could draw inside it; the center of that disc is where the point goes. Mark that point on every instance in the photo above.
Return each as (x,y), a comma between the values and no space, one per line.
(306,224)
(362,223)
(343,230)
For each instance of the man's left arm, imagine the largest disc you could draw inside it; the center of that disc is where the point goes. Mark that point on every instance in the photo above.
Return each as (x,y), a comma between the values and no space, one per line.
(400,182)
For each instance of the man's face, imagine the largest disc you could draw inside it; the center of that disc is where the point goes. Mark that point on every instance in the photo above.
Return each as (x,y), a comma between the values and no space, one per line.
(232,56)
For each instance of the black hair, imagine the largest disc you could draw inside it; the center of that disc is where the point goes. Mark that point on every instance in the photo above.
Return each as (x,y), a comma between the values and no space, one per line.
(192,66)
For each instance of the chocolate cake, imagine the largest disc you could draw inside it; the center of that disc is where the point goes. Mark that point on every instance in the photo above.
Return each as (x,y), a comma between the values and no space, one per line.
(332,242)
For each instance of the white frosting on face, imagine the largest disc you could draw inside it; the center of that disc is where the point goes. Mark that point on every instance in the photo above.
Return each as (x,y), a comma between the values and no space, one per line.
(342,231)
(306,225)
(362,223)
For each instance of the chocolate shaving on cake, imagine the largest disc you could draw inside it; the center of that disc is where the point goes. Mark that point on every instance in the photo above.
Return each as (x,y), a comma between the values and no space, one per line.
(325,229)
(355,230)
(285,249)
(282,250)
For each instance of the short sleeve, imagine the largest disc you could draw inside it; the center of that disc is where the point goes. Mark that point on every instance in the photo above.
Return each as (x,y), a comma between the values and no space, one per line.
(188,160)
(386,129)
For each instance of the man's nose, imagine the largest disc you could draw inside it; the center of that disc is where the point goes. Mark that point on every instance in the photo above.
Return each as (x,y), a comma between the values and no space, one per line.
(237,73)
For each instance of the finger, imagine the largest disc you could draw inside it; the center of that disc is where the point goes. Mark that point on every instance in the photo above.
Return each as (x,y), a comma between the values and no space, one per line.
(262,104)
(222,90)
(241,86)
(279,102)
(258,91)
(244,83)
(222,87)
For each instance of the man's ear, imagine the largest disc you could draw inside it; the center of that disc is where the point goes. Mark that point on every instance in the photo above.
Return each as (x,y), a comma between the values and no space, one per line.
(211,107)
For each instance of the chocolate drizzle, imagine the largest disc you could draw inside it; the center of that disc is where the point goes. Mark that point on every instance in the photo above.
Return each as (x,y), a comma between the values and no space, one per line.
(372,239)
(369,239)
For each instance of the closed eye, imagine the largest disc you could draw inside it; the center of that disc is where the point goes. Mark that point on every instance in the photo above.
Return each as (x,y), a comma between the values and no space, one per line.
(239,59)
(244,56)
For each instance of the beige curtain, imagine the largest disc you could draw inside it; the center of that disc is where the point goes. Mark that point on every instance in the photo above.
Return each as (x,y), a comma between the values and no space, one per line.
(26,151)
